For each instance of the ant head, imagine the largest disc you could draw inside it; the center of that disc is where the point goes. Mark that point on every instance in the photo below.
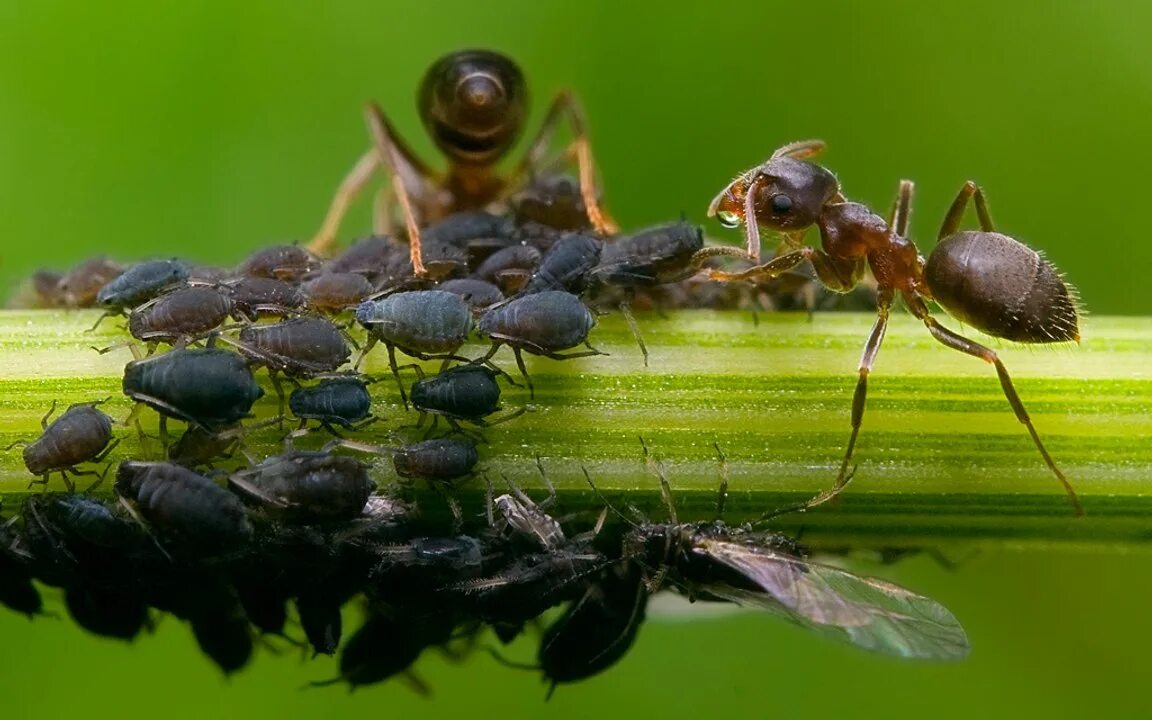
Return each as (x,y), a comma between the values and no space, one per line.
(473,104)
(782,194)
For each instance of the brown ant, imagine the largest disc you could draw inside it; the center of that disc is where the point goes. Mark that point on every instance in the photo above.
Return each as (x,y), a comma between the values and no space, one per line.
(983,278)
(473,104)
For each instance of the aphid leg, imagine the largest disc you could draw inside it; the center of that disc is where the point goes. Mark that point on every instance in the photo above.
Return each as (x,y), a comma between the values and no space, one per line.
(523,371)
(346,193)
(654,465)
(103,316)
(395,373)
(505,418)
(328,426)
(548,501)
(969,347)
(955,214)
(392,160)
(164,433)
(626,311)
(71,485)
(20,443)
(135,515)
(722,492)
(565,105)
(44,420)
(489,501)
(871,348)
(367,346)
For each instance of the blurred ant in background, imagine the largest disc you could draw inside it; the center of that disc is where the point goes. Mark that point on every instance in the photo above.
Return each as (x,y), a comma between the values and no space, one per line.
(473,104)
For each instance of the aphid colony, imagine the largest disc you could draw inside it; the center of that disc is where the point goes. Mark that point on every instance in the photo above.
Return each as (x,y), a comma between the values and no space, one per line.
(521,260)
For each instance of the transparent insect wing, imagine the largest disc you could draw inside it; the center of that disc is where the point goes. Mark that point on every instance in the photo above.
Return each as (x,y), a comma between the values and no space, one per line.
(866,612)
(528,520)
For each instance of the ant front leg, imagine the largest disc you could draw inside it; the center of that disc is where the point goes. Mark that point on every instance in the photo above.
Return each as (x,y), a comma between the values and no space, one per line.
(350,187)
(871,349)
(970,347)
(955,214)
(399,163)
(566,106)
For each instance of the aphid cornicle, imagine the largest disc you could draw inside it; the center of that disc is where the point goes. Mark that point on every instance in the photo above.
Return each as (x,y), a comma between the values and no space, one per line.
(989,280)
(185,507)
(210,387)
(81,434)
(473,104)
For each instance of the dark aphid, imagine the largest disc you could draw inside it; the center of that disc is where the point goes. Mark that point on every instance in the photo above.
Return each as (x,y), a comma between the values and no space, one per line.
(552,200)
(566,265)
(479,294)
(334,292)
(17,593)
(254,297)
(473,104)
(208,274)
(81,284)
(984,278)
(299,347)
(466,392)
(597,630)
(210,387)
(369,257)
(322,620)
(220,626)
(184,507)
(541,324)
(264,600)
(387,645)
(281,262)
(439,460)
(510,267)
(141,282)
(421,568)
(333,401)
(87,521)
(46,287)
(426,324)
(180,316)
(106,612)
(307,486)
(81,434)
(653,256)
(198,446)
(464,228)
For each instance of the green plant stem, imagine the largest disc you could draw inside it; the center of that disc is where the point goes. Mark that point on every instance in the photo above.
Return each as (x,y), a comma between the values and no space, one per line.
(942,461)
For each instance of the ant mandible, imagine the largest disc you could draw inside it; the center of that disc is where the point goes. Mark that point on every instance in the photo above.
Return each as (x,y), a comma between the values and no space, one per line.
(982,278)
(473,104)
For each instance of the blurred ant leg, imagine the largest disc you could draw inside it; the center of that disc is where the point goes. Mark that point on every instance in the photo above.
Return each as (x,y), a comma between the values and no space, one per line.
(801,150)
(837,274)
(382,212)
(901,209)
(970,347)
(871,348)
(389,154)
(350,187)
(955,214)
(774,267)
(565,105)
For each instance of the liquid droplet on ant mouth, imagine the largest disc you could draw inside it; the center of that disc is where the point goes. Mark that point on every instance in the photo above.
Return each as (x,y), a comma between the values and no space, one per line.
(728,219)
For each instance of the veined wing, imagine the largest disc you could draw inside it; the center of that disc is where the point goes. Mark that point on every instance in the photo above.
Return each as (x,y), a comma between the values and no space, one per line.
(867,612)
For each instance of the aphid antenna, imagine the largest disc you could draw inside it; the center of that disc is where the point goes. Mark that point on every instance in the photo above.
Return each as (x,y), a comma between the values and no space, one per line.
(656,466)
(722,492)
(511,663)
(547,502)
(132,513)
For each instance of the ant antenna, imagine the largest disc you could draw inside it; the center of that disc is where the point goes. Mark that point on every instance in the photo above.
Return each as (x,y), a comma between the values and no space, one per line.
(819,499)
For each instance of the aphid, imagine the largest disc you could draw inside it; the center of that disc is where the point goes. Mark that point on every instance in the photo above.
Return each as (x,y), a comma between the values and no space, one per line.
(387,645)
(106,611)
(17,592)
(541,324)
(473,104)
(473,234)
(181,316)
(141,282)
(306,486)
(209,387)
(986,279)
(426,324)
(81,434)
(597,630)
(198,446)
(254,297)
(184,507)
(552,200)
(566,265)
(334,292)
(219,625)
(510,267)
(342,401)
(81,284)
(280,262)
(369,257)
(300,347)
(440,460)
(463,393)
(45,291)
(479,294)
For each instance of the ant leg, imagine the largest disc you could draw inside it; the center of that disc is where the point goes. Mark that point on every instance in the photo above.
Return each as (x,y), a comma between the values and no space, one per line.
(774,267)
(346,193)
(393,159)
(970,347)
(565,105)
(871,348)
(382,212)
(901,210)
(956,213)
(839,275)
(801,150)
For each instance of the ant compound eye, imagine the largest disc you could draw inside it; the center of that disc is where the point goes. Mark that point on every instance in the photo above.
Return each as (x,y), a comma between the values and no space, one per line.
(781,204)
(728,218)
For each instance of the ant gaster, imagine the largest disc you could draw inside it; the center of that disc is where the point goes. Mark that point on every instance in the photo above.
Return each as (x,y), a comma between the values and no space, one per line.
(473,104)
(983,278)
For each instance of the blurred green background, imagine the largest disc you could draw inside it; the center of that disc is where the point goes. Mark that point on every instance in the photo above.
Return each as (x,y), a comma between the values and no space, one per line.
(209,128)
